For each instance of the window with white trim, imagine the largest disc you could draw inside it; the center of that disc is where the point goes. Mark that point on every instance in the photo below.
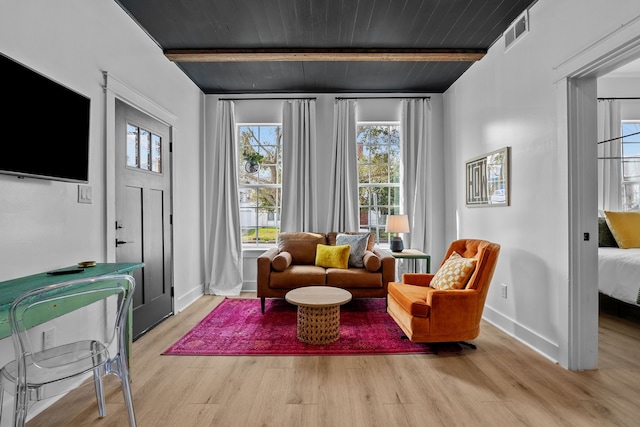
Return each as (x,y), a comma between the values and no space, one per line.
(631,165)
(260,182)
(378,148)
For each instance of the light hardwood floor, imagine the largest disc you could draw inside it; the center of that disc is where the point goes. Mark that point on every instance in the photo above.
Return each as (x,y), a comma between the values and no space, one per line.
(502,383)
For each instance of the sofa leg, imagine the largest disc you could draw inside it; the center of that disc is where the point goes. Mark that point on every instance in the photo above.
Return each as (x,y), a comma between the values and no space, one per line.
(262,304)
(467,344)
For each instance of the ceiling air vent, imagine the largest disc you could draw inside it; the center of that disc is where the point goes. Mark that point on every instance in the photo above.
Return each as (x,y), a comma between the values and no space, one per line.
(516,30)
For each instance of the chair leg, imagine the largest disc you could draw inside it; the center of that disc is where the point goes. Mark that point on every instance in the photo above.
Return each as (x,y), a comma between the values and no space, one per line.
(467,344)
(97,382)
(1,398)
(20,411)
(123,373)
(262,304)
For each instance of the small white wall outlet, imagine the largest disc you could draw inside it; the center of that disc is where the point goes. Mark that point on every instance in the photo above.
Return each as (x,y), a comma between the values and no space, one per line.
(503,290)
(48,338)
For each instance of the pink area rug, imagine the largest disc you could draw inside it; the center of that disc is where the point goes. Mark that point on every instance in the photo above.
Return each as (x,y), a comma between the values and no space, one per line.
(237,327)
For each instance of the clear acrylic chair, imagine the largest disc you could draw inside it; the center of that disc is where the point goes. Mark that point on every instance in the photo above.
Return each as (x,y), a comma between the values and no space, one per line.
(90,323)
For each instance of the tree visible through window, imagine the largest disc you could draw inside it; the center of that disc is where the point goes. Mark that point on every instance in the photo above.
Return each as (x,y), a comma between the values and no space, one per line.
(378,146)
(631,165)
(260,182)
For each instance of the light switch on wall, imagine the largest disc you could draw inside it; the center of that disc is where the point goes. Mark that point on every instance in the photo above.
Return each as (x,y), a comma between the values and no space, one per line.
(84,194)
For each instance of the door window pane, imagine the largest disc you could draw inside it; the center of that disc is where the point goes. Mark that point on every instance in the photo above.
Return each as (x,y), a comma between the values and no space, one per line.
(144,149)
(156,153)
(132,146)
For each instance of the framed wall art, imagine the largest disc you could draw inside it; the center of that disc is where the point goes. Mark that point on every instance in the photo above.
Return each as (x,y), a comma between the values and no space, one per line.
(487,179)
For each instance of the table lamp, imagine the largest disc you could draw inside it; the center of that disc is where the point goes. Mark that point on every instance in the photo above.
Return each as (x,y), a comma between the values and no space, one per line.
(397,224)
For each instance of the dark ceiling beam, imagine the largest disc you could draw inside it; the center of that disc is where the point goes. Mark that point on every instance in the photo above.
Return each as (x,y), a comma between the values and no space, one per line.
(324,55)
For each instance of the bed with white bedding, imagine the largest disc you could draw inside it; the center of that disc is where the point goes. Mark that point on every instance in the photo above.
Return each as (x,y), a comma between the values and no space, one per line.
(619,273)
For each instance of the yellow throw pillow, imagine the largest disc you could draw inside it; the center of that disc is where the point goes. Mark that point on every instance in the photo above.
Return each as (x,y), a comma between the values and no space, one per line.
(625,227)
(454,273)
(332,256)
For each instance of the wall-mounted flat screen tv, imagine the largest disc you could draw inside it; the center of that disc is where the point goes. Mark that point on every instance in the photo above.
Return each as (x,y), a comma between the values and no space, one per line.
(44,126)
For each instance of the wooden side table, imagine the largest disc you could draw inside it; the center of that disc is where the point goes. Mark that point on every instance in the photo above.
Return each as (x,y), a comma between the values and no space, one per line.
(414,256)
(318,319)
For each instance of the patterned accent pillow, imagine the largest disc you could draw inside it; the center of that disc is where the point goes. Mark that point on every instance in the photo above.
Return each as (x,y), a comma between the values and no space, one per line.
(358,243)
(454,273)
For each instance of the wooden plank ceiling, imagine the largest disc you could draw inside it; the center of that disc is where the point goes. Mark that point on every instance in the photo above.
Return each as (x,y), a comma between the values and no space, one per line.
(324,46)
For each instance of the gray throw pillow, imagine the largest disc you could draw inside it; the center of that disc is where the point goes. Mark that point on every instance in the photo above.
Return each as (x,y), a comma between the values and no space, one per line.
(358,243)
(605,237)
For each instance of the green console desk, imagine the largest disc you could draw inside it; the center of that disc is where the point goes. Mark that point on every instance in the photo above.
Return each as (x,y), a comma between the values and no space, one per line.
(414,255)
(12,289)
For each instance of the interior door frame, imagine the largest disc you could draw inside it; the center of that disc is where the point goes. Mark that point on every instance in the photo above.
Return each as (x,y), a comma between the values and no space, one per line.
(576,100)
(115,89)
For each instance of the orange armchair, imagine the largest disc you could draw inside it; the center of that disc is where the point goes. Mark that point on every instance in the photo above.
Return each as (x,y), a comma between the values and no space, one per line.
(426,314)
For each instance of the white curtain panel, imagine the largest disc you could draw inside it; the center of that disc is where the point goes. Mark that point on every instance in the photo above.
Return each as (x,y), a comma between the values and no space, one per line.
(609,169)
(298,175)
(344,211)
(224,249)
(416,175)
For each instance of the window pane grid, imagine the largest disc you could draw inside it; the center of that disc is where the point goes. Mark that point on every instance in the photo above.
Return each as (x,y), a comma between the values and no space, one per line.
(260,182)
(630,165)
(144,149)
(378,150)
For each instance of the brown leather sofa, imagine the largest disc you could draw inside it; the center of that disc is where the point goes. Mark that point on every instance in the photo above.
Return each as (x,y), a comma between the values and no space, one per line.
(291,265)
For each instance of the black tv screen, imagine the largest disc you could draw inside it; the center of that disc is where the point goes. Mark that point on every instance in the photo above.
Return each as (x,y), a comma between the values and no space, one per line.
(45,126)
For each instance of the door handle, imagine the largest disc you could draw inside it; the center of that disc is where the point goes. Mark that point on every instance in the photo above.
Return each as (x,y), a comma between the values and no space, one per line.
(121,242)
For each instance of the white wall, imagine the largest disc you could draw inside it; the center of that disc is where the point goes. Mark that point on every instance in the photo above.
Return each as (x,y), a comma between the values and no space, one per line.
(42,226)
(73,42)
(619,87)
(510,99)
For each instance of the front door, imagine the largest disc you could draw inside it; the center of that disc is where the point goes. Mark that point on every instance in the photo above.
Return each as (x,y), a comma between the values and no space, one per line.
(143,214)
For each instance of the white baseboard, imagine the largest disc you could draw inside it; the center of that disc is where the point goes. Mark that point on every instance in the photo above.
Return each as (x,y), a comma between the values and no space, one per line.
(180,304)
(526,336)
(249,286)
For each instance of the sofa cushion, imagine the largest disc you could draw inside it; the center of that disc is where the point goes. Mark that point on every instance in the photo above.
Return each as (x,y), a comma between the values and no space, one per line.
(331,238)
(454,273)
(371,261)
(625,227)
(281,261)
(353,278)
(412,299)
(358,244)
(332,256)
(298,275)
(301,246)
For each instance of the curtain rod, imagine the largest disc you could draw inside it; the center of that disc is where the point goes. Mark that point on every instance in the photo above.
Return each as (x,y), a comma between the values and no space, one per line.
(619,137)
(261,99)
(611,99)
(383,97)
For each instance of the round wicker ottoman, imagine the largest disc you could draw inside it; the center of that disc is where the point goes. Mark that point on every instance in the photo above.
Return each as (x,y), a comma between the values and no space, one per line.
(318,312)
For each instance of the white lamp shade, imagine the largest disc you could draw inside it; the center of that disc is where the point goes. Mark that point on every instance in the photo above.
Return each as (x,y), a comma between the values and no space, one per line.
(397,224)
